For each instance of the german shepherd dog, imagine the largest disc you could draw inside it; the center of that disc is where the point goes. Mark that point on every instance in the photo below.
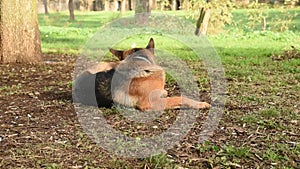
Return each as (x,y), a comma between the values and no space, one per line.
(135,81)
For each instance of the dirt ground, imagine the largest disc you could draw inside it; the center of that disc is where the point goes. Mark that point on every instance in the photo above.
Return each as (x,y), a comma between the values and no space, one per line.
(40,129)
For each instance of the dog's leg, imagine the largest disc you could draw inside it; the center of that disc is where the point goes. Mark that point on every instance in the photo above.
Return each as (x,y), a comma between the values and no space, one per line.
(177,102)
(157,102)
(154,101)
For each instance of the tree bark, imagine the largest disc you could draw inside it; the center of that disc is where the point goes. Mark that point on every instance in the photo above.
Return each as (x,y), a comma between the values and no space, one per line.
(153,4)
(106,5)
(202,22)
(58,7)
(71,10)
(173,5)
(142,11)
(123,6)
(264,24)
(46,7)
(19,32)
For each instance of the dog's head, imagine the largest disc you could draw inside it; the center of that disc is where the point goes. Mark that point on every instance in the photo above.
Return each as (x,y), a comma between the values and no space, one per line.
(137,62)
(148,52)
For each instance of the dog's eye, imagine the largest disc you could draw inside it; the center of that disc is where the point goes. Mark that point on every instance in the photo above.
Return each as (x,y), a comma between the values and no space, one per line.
(147,71)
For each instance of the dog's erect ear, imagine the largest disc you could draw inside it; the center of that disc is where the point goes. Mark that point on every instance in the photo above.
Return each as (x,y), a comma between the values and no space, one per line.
(150,45)
(118,53)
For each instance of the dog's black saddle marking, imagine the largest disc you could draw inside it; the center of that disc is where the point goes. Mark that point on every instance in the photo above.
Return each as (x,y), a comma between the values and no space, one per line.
(94,89)
(103,88)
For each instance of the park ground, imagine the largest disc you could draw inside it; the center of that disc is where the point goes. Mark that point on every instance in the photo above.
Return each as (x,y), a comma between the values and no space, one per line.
(259,128)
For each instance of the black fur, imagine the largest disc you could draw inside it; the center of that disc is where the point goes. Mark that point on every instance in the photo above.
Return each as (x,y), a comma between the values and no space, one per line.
(91,88)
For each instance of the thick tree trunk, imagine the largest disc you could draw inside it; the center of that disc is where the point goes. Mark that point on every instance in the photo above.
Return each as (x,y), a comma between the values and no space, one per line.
(71,10)
(142,11)
(19,32)
(46,7)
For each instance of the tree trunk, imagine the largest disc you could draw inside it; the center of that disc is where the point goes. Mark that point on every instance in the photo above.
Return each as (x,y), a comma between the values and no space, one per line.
(46,7)
(173,5)
(123,6)
(115,6)
(264,24)
(153,4)
(106,5)
(142,11)
(58,7)
(202,22)
(19,32)
(71,10)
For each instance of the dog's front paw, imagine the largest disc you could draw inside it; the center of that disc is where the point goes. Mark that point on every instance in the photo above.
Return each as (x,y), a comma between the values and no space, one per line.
(204,105)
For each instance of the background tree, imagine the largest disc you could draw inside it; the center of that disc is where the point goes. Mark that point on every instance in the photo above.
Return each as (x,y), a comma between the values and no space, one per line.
(202,22)
(46,6)
(211,15)
(142,11)
(153,4)
(71,10)
(123,6)
(19,32)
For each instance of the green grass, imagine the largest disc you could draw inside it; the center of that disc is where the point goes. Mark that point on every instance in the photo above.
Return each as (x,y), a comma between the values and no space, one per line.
(160,161)
(11,89)
(275,17)
(59,35)
(254,45)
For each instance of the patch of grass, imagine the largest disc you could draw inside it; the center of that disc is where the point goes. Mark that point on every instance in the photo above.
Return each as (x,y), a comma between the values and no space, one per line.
(272,155)
(207,146)
(51,166)
(230,156)
(174,47)
(59,35)
(47,88)
(9,90)
(159,161)
(277,19)
(268,124)
(270,113)
(233,151)
(250,119)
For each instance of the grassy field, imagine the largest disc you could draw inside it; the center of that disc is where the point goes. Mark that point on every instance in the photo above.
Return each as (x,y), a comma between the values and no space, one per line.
(261,124)
(62,36)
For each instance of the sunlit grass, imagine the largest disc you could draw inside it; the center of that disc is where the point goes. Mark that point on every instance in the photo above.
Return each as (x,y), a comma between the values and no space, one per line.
(59,35)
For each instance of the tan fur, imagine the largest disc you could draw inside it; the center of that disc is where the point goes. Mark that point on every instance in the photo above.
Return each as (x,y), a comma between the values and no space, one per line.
(102,67)
(138,82)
